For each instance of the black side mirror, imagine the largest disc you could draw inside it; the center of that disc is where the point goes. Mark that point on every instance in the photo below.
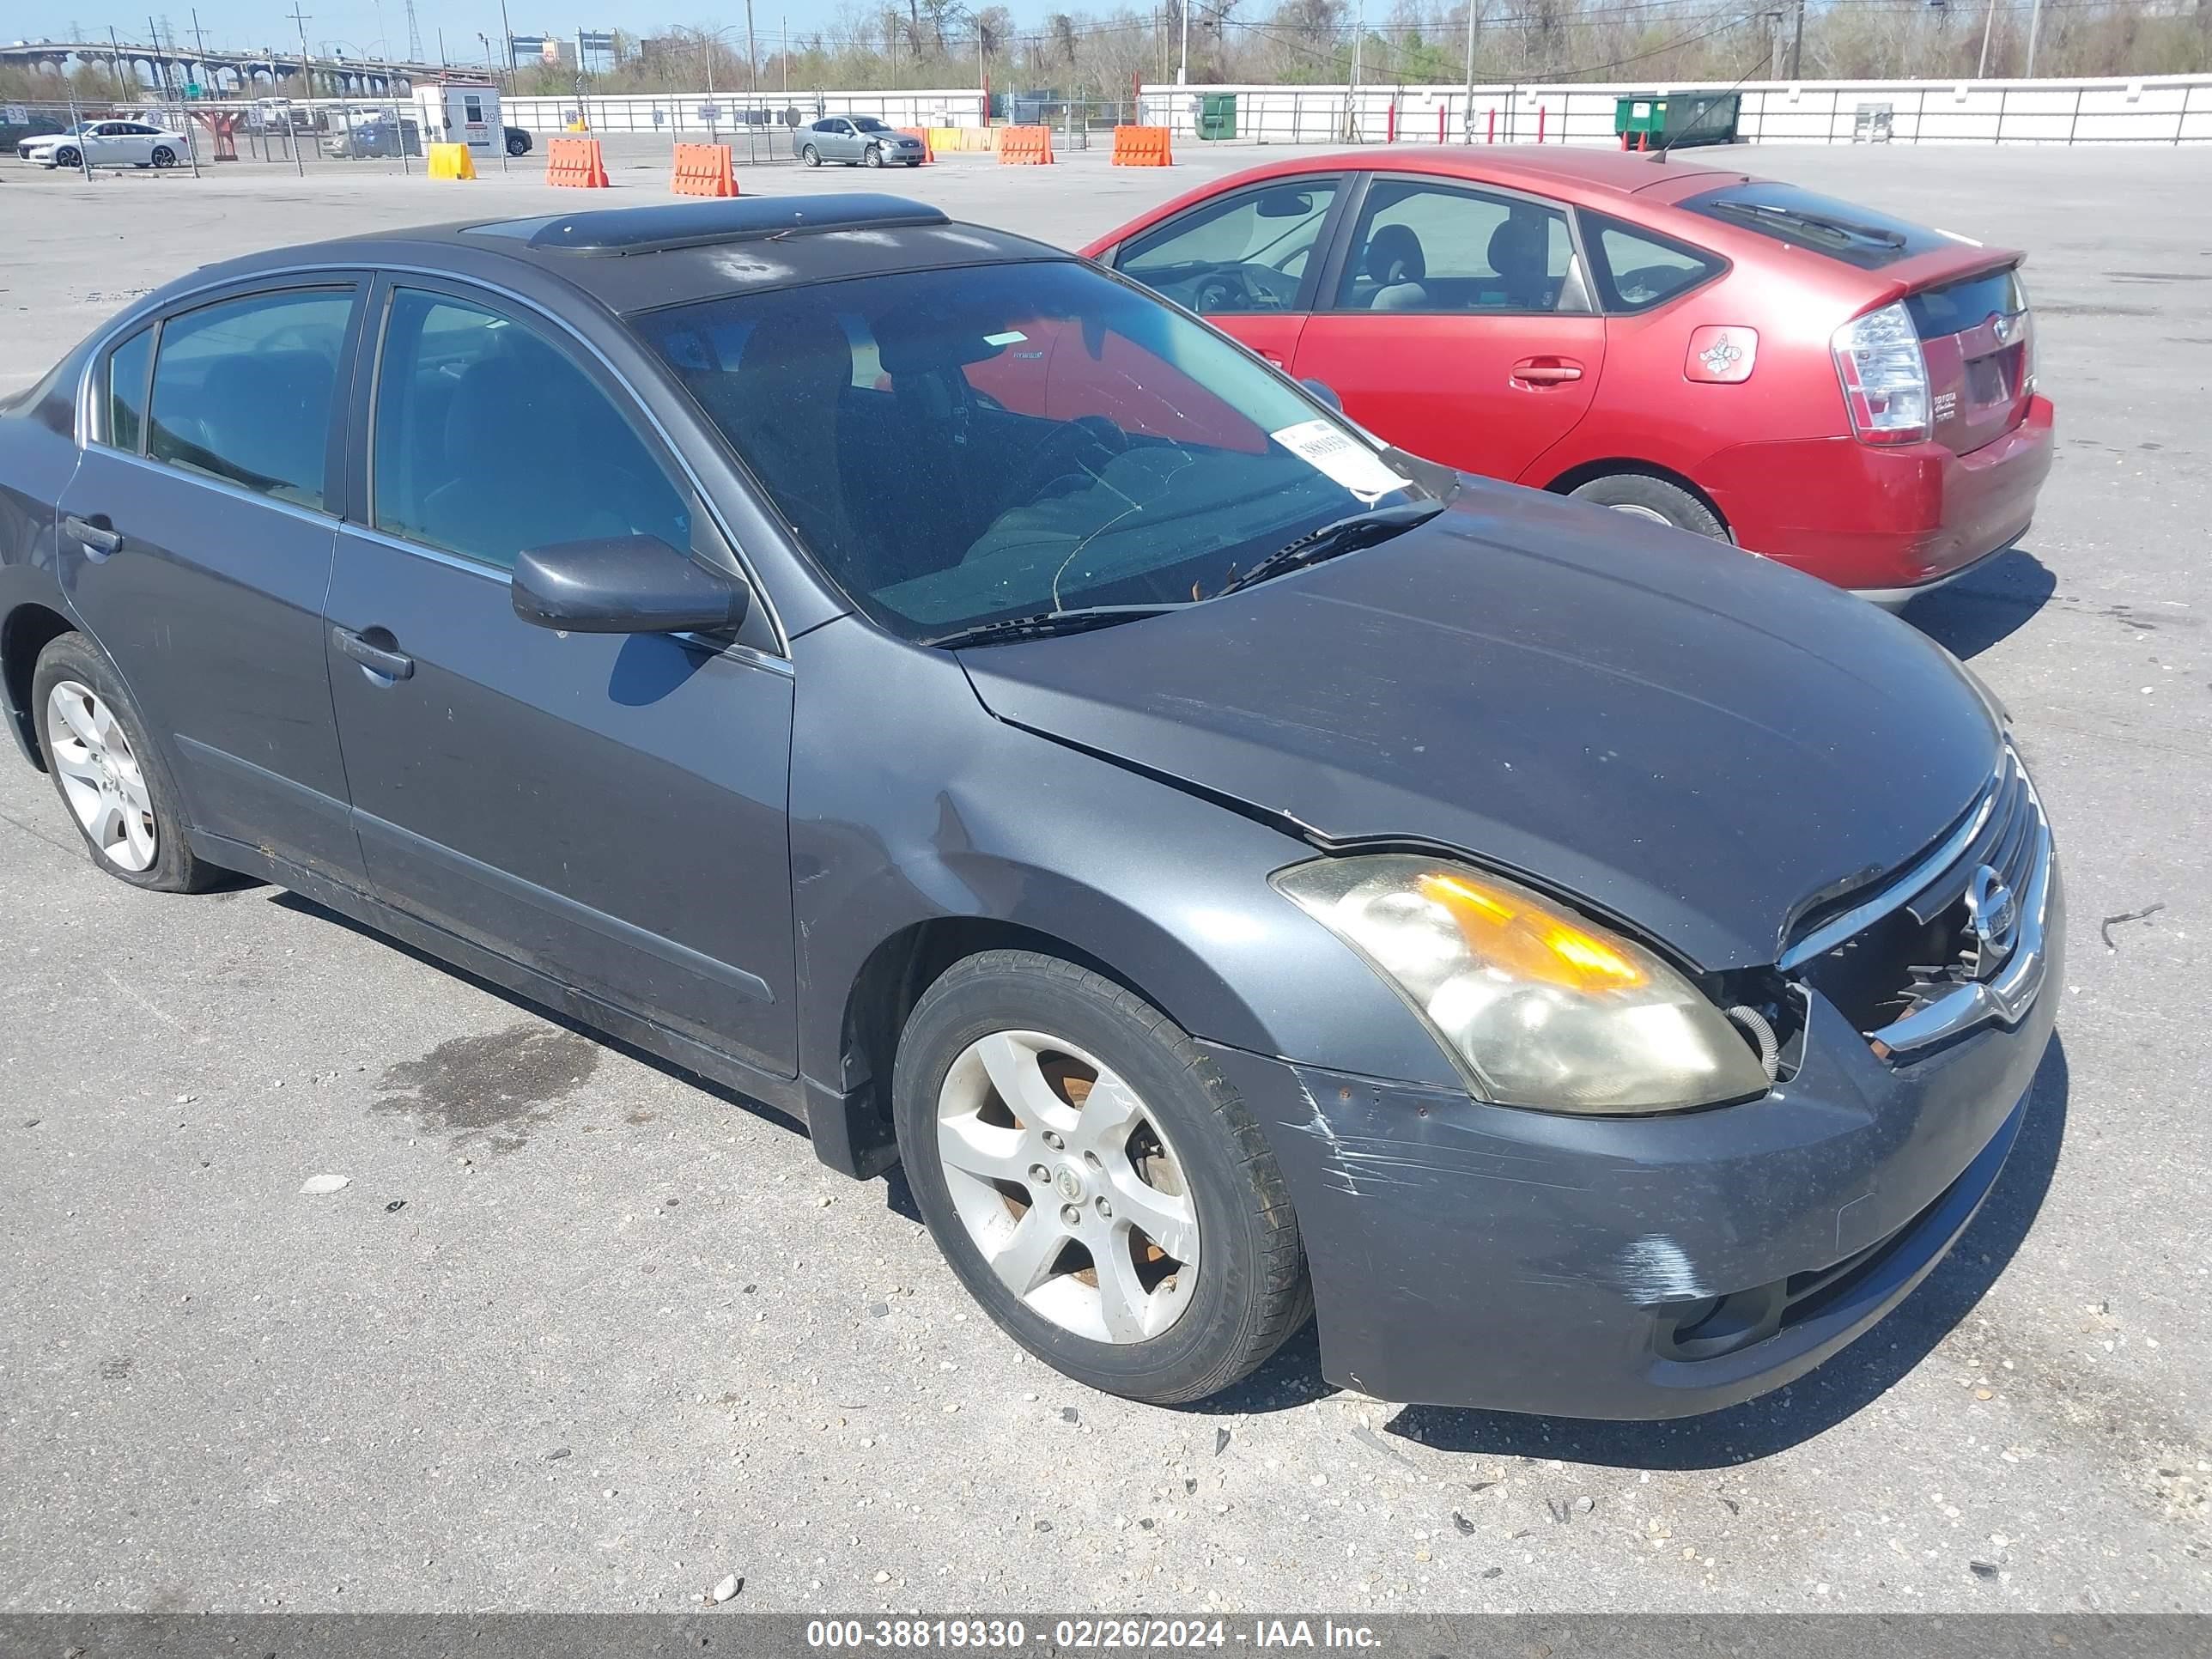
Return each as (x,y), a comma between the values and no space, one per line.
(1323,392)
(624,585)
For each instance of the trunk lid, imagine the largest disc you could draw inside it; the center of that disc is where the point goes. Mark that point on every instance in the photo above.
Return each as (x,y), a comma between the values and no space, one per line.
(1977,338)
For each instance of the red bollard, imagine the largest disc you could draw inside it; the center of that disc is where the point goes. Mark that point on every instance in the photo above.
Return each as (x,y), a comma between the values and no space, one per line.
(1540,113)
(1390,123)
(1440,123)
(1493,126)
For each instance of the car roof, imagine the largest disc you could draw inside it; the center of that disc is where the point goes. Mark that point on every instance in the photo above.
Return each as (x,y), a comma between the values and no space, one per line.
(637,258)
(1539,168)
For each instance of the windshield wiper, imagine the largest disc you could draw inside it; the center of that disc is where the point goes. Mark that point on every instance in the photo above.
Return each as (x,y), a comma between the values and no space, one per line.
(1843,228)
(1043,624)
(1361,530)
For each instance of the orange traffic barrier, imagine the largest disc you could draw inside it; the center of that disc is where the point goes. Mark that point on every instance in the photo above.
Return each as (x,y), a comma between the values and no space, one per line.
(702,170)
(1025,146)
(1141,147)
(575,162)
(928,149)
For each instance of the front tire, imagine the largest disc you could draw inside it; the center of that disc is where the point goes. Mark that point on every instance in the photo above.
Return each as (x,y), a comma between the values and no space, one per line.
(1643,496)
(67,158)
(1094,1182)
(518,145)
(874,157)
(163,156)
(109,776)
(812,156)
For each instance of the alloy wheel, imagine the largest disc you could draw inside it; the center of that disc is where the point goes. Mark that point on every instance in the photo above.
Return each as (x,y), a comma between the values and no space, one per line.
(101,776)
(1068,1187)
(1638,510)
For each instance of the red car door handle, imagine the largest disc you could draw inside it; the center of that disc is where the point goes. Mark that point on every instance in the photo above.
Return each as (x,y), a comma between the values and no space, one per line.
(1272,358)
(1546,371)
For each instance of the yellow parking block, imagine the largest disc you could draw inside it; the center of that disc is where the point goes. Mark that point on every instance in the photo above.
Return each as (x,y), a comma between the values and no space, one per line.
(452,161)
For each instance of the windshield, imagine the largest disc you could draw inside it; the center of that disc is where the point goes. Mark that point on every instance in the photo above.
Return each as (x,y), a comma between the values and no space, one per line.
(869,123)
(1002,440)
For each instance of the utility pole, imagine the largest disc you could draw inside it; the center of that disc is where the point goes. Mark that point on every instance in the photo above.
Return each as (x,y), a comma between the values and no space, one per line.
(752,56)
(1469,134)
(300,21)
(1351,87)
(1990,16)
(506,47)
(1182,71)
(1774,46)
(2034,26)
(1797,44)
(115,61)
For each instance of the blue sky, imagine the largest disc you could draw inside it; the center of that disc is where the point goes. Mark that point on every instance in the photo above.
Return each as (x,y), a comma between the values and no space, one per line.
(360,24)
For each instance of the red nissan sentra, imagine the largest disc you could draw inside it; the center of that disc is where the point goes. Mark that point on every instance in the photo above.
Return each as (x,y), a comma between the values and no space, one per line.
(1842,391)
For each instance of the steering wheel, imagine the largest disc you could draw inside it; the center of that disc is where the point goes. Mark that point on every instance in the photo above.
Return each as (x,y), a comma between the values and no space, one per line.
(1066,449)
(1220,291)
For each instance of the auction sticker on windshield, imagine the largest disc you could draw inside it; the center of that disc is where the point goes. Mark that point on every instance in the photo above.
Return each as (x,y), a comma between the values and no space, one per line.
(1327,450)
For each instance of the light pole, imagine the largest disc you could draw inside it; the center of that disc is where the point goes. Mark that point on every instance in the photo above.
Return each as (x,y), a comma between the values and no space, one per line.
(1183,68)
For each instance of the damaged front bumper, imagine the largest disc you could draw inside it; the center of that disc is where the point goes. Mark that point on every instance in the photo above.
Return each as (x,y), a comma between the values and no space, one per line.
(1470,1255)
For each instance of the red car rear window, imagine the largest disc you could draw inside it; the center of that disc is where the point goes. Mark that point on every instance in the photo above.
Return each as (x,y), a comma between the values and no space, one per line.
(1856,235)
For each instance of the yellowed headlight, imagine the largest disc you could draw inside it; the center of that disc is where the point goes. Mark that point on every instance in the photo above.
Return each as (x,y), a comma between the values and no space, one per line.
(1541,1007)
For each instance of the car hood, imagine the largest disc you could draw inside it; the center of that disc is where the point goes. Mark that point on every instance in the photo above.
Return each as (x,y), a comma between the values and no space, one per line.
(1689,739)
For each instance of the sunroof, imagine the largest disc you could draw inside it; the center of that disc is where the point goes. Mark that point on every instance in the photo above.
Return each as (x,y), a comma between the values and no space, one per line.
(691,224)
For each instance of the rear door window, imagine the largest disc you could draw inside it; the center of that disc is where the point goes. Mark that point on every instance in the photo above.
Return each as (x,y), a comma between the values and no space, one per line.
(243,391)
(1422,246)
(1856,235)
(126,391)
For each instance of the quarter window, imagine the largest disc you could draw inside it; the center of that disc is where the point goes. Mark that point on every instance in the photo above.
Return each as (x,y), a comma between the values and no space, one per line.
(243,391)
(1245,254)
(1426,247)
(126,391)
(1637,270)
(489,440)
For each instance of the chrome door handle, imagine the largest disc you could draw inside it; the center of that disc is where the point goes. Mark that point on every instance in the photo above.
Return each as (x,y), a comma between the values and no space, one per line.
(98,540)
(390,664)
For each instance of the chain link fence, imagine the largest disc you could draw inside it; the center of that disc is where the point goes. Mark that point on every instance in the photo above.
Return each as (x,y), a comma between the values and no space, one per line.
(205,136)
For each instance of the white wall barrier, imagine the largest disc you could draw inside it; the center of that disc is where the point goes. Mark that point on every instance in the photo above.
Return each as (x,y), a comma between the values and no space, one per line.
(2161,109)
(692,116)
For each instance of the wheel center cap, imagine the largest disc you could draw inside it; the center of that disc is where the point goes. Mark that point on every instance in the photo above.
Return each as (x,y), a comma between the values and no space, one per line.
(1068,1184)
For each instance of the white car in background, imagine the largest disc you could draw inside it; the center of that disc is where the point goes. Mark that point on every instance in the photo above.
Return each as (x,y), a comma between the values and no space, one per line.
(105,144)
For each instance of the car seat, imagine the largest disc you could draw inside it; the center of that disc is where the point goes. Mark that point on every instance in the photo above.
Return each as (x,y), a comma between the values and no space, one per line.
(1396,265)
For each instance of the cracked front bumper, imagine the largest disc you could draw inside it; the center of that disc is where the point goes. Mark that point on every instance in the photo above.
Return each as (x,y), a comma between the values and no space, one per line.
(1469,1254)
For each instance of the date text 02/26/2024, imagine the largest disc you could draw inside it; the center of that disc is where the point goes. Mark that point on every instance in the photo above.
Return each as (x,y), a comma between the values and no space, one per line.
(1084,1635)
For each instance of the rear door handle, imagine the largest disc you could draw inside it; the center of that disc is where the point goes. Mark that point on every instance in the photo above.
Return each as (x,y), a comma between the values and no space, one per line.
(1546,371)
(98,540)
(1270,356)
(390,664)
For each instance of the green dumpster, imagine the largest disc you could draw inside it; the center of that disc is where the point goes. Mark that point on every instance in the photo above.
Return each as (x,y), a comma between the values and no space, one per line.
(1217,115)
(1677,121)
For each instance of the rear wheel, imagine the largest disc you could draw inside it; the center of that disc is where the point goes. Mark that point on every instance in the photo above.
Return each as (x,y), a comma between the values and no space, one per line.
(109,773)
(163,156)
(812,156)
(1093,1182)
(1643,496)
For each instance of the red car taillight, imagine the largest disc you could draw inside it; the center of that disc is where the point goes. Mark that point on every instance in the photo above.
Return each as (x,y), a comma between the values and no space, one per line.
(1884,376)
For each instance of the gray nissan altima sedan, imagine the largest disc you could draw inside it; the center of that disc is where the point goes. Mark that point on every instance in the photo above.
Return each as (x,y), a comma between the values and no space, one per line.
(915,677)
